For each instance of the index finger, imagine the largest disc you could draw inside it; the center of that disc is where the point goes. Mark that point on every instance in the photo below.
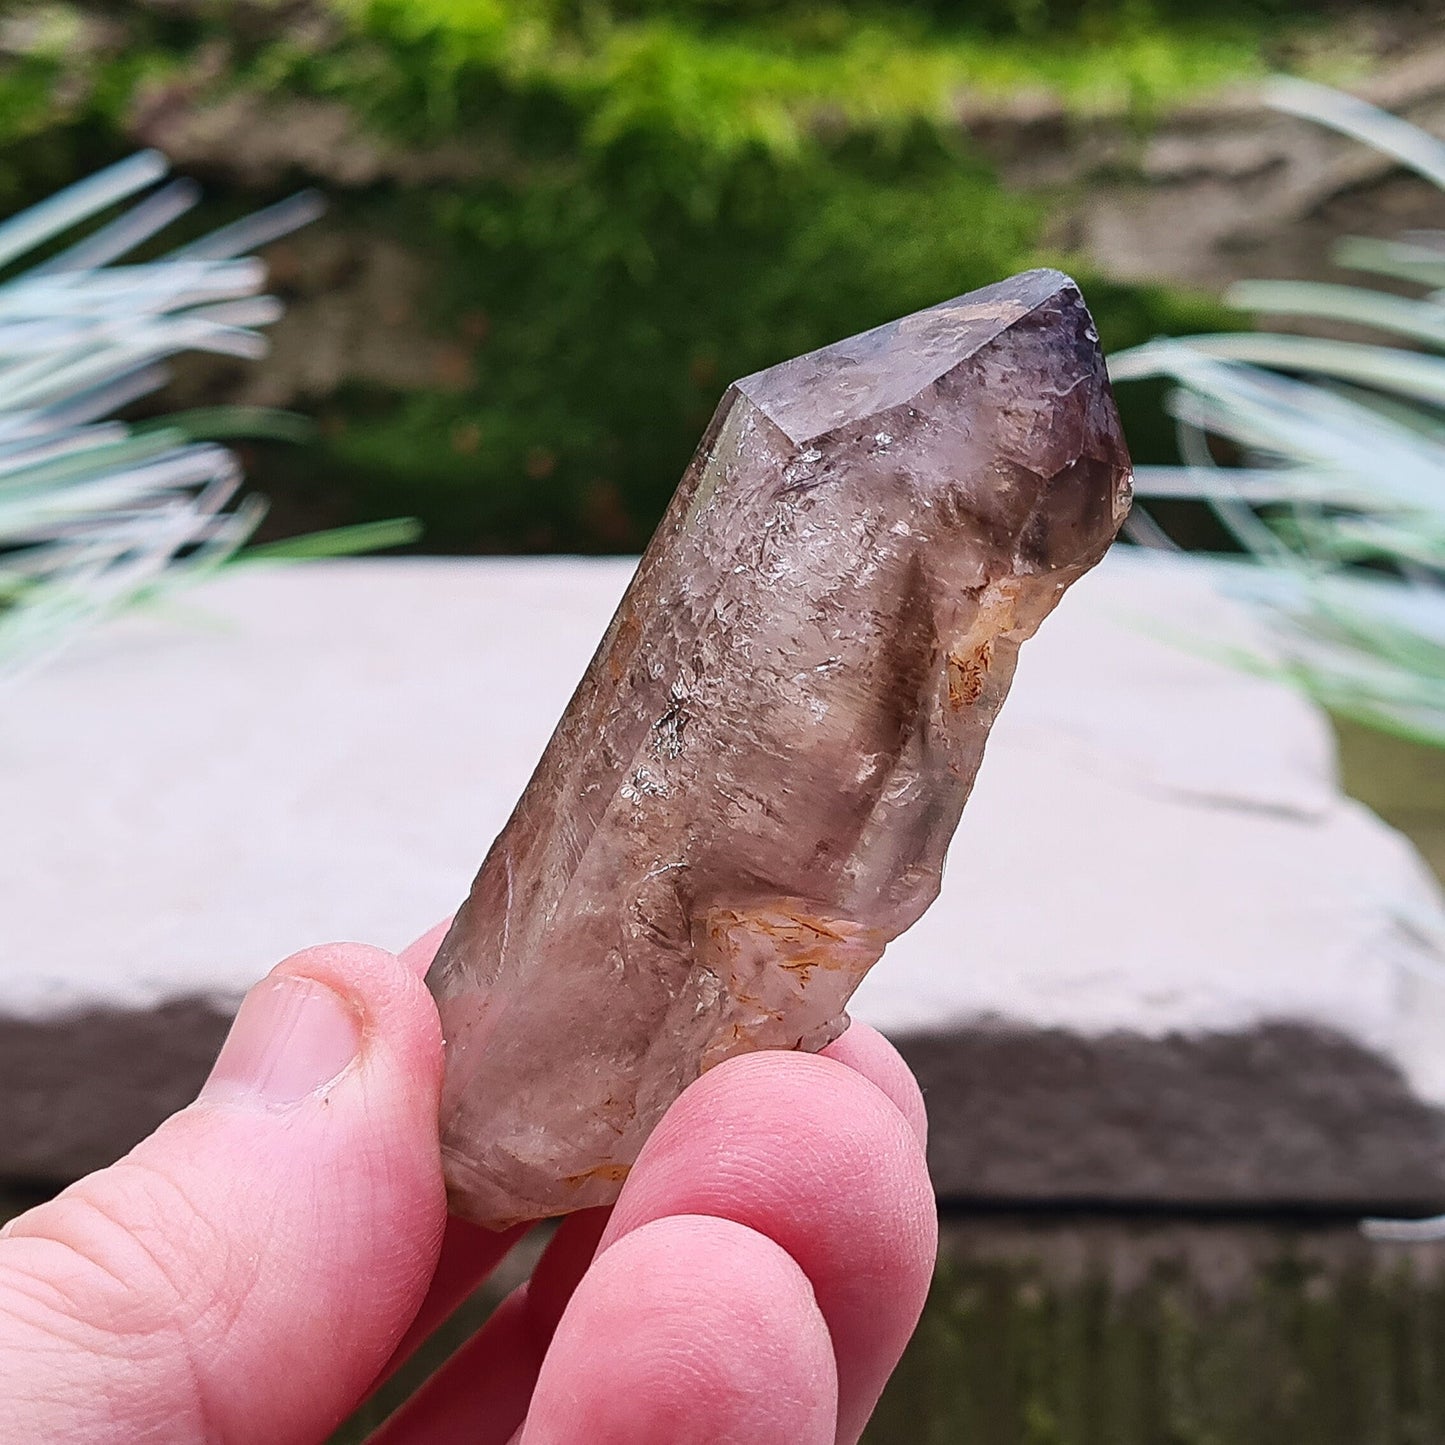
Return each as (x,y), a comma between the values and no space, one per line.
(820,1154)
(807,1152)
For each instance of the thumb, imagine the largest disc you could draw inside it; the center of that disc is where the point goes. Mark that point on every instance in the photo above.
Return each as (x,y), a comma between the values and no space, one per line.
(244,1273)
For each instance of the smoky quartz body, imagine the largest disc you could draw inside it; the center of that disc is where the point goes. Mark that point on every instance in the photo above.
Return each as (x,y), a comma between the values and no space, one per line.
(754,786)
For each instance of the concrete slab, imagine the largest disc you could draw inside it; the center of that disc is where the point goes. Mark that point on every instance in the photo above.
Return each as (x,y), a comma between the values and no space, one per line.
(1171,962)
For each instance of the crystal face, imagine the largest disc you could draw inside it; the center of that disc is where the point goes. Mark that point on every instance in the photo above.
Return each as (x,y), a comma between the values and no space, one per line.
(753,788)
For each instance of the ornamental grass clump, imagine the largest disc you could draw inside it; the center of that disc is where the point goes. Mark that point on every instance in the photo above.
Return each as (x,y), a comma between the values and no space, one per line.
(1325,459)
(97,513)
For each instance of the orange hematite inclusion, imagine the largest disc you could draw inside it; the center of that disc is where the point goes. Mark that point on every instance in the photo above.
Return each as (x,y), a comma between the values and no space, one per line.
(752,791)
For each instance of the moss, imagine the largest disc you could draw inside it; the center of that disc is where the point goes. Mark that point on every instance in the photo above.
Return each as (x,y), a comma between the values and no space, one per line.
(1013,1353)
(672,195)
(725,76)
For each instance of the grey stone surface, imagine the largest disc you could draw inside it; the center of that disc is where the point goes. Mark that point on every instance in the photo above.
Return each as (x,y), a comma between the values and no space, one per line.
(1277,1116)
(1171,963)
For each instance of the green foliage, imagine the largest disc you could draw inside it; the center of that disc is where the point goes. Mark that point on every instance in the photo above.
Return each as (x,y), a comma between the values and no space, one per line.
(663,210)
(1340,502)
(97,514)
(725,77)
(996,17)
(667,196)
(1304,1350)
(617,314)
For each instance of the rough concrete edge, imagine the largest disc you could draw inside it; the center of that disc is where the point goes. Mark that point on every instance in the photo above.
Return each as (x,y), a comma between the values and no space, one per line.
(78,1090)
(1280,1115)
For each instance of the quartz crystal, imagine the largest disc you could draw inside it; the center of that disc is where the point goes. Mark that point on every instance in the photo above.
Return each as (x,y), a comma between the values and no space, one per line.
(753,787)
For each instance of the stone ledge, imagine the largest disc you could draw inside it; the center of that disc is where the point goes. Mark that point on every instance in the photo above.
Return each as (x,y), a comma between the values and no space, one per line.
(1171,964)
(1277,1117)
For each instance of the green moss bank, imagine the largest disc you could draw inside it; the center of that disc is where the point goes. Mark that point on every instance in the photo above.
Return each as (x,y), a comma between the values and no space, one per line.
(603,212)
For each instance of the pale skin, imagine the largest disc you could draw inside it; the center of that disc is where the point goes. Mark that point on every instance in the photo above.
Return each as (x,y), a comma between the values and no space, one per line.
(252,1269)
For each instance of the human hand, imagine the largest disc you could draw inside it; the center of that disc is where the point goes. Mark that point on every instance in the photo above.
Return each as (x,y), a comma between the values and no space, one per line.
(249,1271)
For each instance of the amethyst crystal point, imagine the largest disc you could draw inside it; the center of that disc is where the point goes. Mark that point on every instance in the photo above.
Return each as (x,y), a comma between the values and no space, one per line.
(753,788)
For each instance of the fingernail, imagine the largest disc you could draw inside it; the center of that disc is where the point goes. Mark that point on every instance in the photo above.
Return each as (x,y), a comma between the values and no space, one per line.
(291,1037)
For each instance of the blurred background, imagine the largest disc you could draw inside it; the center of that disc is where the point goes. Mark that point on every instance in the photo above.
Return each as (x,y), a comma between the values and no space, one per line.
(554,231)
